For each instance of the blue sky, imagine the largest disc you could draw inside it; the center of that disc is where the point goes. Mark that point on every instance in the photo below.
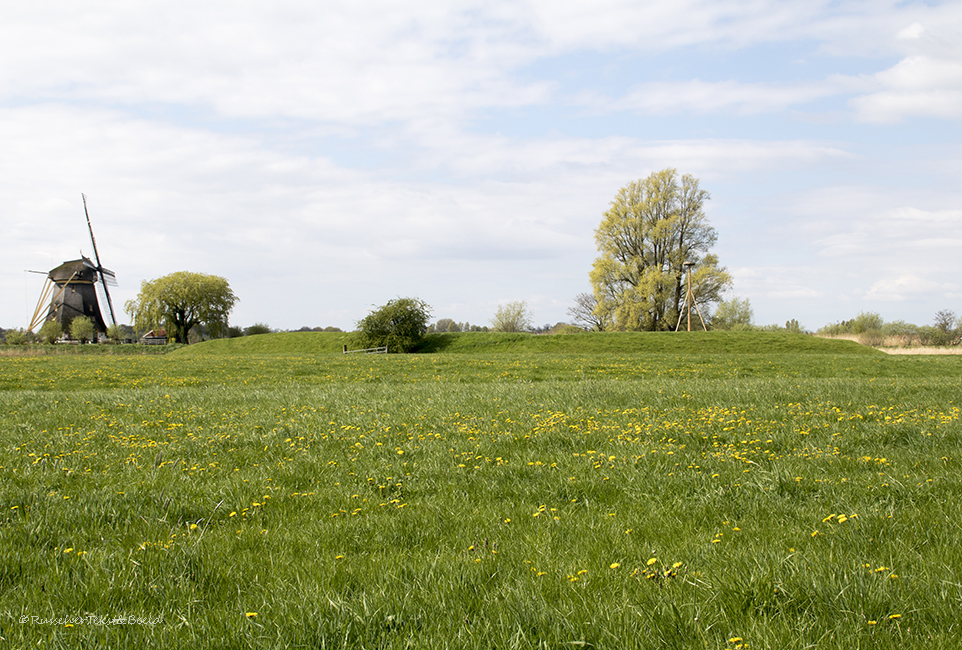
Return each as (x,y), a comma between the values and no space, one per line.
(328,157)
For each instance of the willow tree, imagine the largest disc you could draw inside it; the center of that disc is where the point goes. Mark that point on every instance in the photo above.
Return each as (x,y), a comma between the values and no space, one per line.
(181,301)
(652,228)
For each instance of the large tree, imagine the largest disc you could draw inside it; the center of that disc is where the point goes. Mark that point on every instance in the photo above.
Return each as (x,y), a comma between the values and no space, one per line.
(181,301)
(652,228)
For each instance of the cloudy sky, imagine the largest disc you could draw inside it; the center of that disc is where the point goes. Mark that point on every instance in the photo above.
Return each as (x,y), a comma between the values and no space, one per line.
(326,157)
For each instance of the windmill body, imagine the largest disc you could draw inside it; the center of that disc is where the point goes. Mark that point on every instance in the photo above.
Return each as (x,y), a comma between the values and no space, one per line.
(74,294)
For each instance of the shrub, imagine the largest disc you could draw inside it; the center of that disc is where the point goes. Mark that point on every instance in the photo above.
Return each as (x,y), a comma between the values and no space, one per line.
(866,321)
(16,337)
(872,337)
(257,328)
(400,325)
(735,314)
(564,328)
(82,329)
(50,332)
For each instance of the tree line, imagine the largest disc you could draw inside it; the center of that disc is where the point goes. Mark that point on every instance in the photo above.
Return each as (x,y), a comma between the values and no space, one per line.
(870,328)
(654,270)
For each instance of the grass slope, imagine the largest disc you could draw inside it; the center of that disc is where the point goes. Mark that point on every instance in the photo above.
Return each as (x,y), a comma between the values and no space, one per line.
(301,343)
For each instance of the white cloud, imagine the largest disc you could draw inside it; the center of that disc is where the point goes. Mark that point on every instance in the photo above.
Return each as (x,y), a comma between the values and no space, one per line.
(906,235)
(916,86)
(912,32)
(903,287)
(696,96)
(164,198)
(328,156)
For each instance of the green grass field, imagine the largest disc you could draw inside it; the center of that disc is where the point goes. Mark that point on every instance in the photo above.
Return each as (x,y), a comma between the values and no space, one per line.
(626,491)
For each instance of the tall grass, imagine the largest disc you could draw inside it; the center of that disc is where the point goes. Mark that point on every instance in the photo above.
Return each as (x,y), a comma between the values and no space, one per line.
(481,501)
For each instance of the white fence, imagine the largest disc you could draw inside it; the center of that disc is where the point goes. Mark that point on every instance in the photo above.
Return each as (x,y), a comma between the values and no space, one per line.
(381,350)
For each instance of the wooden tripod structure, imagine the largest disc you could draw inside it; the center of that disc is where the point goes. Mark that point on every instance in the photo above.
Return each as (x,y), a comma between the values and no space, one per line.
(39,315)
(690,302)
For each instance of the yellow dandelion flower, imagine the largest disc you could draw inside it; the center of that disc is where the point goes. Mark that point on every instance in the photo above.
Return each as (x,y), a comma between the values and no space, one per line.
(651,561)
(251,615)
(735,639)
(193,526)
(614,565)
(67,550)
(676,565)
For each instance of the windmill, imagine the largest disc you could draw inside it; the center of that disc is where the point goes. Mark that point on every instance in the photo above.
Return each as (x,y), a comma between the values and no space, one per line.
(73,289)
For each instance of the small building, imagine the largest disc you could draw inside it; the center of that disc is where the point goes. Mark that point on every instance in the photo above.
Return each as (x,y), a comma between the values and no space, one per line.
(154,337)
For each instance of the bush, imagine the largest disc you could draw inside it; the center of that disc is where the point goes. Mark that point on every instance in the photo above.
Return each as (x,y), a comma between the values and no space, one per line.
(50,332)
(16,337)
(565,328)
(400,325)
(872,337)
(82,329)
(257,328)
(867,321)
(735,314)
(116,333)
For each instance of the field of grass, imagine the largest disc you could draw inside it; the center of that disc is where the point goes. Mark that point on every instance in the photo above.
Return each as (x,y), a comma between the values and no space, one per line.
(499,342)
(607,494)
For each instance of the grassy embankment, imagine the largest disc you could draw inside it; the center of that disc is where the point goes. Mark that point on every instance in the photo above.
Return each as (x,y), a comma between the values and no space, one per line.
(618,494)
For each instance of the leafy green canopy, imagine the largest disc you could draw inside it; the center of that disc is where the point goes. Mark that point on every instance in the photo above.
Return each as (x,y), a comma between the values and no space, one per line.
(734,314)
(512,317)
(50,332)
(82,329)
(653,227)
(181,301)
(400,325)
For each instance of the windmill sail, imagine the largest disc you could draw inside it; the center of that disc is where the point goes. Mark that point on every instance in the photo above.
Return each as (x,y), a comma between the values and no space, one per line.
(103,273)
